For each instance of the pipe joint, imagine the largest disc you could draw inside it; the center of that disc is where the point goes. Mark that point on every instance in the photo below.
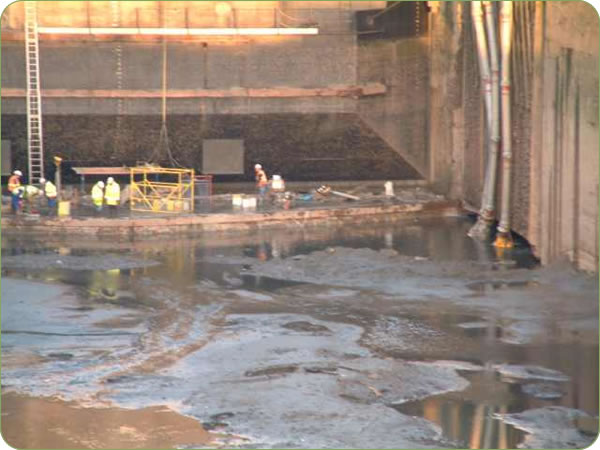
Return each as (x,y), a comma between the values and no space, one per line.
(487,214)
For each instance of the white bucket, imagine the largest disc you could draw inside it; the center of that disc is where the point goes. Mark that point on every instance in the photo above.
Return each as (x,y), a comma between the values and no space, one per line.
(237,199)
(389,189)
(277,183)
(249,203)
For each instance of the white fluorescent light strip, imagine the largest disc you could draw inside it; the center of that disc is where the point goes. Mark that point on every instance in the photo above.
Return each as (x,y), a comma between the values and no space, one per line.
(182,31)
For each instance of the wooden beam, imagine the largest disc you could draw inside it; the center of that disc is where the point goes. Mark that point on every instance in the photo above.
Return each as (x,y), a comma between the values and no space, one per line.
(354,91)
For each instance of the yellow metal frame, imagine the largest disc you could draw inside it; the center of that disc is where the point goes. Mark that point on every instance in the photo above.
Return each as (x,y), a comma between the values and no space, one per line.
(161,196)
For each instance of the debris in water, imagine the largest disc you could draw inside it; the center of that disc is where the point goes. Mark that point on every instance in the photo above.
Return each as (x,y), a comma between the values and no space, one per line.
(545,391)
(550,427)
(530,372)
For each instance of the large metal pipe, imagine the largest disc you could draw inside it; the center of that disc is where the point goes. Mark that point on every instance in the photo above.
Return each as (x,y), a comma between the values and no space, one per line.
(484,223)
(506,25)
(482,54)
(489,206)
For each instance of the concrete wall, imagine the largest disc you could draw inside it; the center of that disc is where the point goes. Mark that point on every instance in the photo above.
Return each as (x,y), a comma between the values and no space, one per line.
(297,146)
(192,14)
(288,62)
(554,76)
(564,218)
(401,115)
(298,127)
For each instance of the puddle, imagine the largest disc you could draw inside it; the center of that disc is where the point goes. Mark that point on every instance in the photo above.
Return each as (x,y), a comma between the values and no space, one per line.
(199,286)
(468,423)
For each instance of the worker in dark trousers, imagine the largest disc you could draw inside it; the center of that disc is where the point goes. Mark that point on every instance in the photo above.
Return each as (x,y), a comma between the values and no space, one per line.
(14,183)
(98,196)
(112,195)
(51,193)
(262,183)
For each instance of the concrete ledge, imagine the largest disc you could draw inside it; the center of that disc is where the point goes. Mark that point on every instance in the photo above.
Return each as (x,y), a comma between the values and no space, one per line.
(147,227)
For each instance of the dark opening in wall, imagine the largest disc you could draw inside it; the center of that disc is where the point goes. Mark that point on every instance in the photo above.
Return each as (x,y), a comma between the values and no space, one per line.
(400,19)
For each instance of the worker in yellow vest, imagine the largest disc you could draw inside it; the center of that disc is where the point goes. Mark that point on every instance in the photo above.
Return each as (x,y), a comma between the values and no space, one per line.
(30,194)
(98,196)
(14,183)
(50,193)
(112,195)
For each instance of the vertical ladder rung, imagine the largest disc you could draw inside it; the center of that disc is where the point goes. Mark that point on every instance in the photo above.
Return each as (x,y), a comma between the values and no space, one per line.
(34,117)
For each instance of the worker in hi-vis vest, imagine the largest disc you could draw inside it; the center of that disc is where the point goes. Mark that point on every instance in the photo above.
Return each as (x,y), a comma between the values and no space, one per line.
(98,196)
(112,195)
(51,193)
(14,183)
(262,182)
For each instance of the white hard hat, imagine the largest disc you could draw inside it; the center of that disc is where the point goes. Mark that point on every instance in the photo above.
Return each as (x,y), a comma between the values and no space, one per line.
(257,166)
(277,177)
(110,180)
(18,173)
(101,184)
(42,180)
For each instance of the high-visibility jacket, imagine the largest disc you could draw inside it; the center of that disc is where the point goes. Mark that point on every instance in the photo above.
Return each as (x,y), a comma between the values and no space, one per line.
(97,194)
(261,178)
(112,194)
(50,189)
(31,191)
(13,183)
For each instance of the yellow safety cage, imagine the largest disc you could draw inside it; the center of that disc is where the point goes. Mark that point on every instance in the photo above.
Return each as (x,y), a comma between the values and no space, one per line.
(162,190)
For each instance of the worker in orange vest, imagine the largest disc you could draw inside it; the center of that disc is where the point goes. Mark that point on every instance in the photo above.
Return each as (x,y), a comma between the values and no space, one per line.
(262,182)
(14,183)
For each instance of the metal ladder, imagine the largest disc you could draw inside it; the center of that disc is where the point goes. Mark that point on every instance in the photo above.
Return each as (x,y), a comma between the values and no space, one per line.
(35,149)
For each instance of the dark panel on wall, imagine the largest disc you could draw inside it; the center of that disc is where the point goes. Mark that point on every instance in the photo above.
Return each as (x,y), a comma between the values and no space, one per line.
(400,19)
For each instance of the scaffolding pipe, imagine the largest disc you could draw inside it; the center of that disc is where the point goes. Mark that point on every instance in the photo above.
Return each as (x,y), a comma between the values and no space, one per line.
(484,223)
(504,238)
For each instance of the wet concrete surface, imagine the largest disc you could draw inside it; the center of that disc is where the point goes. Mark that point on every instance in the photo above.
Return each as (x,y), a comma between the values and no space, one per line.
(368,195)
(403,336)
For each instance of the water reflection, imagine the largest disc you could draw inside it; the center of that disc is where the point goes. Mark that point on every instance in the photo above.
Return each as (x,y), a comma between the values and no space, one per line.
(467,416)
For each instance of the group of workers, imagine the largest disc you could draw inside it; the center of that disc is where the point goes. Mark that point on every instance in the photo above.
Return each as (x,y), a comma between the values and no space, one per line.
(22,196)
(109,194)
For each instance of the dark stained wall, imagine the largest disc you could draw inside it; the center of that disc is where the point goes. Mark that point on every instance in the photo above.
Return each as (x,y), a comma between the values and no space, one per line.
(297,146)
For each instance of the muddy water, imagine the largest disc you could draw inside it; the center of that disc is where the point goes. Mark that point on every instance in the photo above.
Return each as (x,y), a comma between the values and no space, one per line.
(404,336)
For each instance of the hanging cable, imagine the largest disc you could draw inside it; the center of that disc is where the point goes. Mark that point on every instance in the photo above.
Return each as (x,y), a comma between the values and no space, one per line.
(163,141)
(118,50)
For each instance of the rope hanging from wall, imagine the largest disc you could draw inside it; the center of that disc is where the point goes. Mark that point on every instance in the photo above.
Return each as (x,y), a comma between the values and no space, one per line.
(118,51)
(162,152)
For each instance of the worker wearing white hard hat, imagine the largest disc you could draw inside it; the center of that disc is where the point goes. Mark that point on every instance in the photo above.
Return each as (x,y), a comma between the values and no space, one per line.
(98,196)
(262,182)
(51,193)
(112,195)
(14,183)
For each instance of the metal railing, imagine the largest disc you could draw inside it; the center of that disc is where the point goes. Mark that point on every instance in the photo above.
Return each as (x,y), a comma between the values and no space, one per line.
(162,190)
